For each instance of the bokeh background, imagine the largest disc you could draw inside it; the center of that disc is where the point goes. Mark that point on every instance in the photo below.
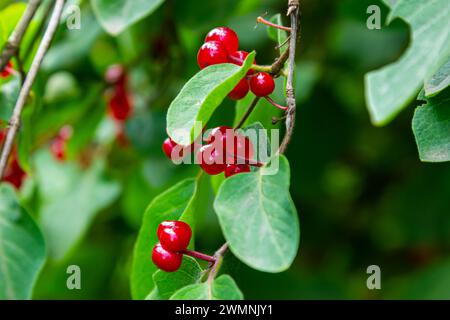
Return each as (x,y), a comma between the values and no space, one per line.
(362,194)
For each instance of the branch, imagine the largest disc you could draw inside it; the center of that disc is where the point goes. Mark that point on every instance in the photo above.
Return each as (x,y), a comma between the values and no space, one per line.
(215,267)
(11,47)
(276,67)
(293,12)
(29,80)
(40,29)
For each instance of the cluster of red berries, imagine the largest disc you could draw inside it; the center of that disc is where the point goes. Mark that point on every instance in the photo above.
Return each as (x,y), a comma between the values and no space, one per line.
(59,144)
(14,173)
(221,46)
(7,71)
(174,238)
(120,105)
(225,151)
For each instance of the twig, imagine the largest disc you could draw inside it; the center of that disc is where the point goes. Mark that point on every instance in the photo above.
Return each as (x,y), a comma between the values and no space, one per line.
(248,112)
(273,25)
(270,100)
(276,67)
(20,67)
(29,80)
(39,30)
(281,45)
(13,44)
(215,267)
(199,255)
(293,12)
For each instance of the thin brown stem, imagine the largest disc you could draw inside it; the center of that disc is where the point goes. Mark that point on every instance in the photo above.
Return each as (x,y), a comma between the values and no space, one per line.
(273,25)
(12,45)
(40,29)
(285,42)
(20,67)
(29,80)
(293,12)
(215,267)
(276,67)
(272,102)
(199,255)
(248,113)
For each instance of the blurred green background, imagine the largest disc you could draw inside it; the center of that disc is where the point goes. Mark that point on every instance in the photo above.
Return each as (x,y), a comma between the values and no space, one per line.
(362,194)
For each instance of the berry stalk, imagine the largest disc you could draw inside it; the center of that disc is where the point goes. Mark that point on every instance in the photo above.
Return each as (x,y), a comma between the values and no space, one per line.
(273,25)
(199,255)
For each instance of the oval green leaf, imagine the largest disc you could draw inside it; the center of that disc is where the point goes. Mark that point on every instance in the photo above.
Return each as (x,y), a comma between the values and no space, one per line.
(223,288)
(70,200)
(200,97)
(258,217)
(167,283)
(176,203)
(391,88)
(116,16)
(22,248)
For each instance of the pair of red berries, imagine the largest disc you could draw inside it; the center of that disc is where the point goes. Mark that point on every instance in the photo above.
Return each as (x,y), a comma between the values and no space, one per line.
(59,145)
(221,46)
(119,102)
(174,238)
(7,71)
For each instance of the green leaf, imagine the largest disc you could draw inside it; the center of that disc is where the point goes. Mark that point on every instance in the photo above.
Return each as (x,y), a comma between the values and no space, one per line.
(439,81)
(391,88)
(176,203)
(22,248)
(9,17)
(74,46)
(278,35)
(70,198)
(223,288)
(216,182)
(258,217)
(200,97)
(431,127)
(116,16)
(167,283)
(9,93)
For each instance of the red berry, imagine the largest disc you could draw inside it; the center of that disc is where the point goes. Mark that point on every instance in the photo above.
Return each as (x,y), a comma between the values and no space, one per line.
(242,151)
(232,169)
(166,260)
(58,149)
(226,36)
(219,132)
(174,235)
(14,173)
(115,74)
(212,52)
(211,160)
(119,104)
(238,58)
(240,90)
(262,84)
(2,136)
(168,147)
(7,71)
